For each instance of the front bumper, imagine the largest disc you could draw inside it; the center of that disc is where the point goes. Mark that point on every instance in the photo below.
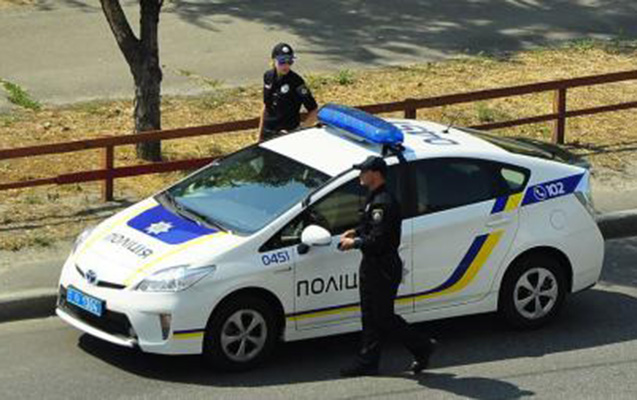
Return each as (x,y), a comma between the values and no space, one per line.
(133,319)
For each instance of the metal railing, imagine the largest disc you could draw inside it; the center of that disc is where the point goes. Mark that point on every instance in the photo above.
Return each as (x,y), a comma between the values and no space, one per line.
(109,172)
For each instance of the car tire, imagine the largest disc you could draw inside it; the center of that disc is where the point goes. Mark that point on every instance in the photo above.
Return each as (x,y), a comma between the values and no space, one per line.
(532,292)
(241,334)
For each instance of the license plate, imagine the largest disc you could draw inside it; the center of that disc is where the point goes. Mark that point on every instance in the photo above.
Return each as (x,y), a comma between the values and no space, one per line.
(85,302)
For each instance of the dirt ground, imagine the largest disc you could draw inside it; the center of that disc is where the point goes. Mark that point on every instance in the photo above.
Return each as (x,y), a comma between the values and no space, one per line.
(44,215)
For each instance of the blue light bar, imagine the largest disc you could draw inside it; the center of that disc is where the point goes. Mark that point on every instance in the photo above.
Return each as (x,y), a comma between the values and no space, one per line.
(361,124)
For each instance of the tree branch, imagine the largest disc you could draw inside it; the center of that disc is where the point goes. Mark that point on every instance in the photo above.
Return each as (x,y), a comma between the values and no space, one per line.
(126,39)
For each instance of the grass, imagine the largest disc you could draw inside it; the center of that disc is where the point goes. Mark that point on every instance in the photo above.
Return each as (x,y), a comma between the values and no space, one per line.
(15,3)
(19,96)
(59,212)
(488,114)
(345,77)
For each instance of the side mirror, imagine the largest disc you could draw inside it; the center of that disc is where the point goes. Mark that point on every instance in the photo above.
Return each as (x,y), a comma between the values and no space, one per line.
(315,235)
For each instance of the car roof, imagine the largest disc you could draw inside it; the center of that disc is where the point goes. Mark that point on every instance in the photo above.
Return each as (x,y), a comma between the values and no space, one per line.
(333,151)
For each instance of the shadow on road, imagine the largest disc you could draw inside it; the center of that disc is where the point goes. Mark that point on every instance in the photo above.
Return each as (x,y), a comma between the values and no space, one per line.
(364,31)
(360,31)
(586,322)
(593,318)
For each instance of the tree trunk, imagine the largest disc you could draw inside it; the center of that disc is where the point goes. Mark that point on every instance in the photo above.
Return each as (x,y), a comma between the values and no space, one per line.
(142,56)
(148,111)
(148,78)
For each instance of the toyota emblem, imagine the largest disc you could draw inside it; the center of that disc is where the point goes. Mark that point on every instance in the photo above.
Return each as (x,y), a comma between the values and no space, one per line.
(91,277)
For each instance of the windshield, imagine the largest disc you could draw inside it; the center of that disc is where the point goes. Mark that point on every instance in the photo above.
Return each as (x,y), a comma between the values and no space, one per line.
(247,190)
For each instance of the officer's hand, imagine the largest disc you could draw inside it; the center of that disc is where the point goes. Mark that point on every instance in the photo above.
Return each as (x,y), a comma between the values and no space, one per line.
(349,234)
(346,244)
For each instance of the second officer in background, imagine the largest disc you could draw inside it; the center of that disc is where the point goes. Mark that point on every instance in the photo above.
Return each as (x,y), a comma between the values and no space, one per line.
(284,91)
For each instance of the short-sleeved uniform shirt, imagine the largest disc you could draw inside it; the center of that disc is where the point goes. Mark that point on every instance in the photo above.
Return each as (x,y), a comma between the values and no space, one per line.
(283,97)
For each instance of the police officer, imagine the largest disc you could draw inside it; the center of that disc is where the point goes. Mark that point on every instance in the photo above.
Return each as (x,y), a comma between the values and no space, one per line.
(284,91)
(378,237)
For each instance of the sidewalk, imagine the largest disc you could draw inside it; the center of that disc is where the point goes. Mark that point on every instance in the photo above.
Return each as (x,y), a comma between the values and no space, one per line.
(40,45)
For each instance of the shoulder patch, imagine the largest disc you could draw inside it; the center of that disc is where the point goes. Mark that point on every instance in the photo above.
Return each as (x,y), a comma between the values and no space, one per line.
(302,90)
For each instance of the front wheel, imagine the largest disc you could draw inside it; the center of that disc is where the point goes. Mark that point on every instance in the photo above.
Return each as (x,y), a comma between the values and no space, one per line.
(532,291)
(242,333)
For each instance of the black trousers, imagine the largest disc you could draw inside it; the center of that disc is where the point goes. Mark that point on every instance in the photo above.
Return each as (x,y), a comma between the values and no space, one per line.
(380,323)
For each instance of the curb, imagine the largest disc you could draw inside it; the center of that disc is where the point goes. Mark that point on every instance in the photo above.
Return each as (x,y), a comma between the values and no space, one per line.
(618,224)
(40,303)
(36,303)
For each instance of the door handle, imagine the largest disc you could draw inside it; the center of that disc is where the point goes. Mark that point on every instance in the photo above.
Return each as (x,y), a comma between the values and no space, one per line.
(498,222)
(282,269)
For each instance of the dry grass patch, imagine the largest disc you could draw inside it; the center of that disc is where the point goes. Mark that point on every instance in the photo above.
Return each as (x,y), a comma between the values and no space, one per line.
(5,4)
(39,215)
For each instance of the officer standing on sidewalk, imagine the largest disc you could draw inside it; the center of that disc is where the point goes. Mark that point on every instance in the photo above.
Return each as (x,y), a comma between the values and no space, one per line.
(378,237)
(284,91)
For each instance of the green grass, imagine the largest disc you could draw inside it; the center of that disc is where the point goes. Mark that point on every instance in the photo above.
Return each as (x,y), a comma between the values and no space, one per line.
(43,241)
(488,114)
(19,96)
(345,77)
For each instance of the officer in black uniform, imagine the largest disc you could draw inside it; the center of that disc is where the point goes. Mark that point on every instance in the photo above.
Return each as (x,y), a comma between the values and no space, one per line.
(284,91)
(378,237)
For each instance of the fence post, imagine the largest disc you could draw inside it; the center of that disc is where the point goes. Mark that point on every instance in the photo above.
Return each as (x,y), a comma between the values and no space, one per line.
(410,110)
(559,107)
(107,164)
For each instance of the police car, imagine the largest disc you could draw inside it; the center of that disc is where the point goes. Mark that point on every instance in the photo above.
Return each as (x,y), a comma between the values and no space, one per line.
(243,253)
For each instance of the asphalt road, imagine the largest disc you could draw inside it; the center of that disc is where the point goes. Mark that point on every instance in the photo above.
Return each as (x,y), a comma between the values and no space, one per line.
(589,353)
(63,50)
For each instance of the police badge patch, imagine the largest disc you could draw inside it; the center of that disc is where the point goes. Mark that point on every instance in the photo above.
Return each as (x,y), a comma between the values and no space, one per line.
(377,215)
(285,88)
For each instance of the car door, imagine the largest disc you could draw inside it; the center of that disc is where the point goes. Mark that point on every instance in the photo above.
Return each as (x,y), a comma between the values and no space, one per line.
(467,218)
(326,279)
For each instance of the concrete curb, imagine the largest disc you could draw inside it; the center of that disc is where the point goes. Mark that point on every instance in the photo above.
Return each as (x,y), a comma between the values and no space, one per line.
(35,303)
(40,303)
(618,224)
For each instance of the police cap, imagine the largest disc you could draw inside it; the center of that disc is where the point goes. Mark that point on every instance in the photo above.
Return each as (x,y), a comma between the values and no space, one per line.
(372,163)
(283,51)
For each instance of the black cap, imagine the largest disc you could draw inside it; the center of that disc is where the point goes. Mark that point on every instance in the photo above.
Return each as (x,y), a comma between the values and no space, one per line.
(372,163)
(283,50)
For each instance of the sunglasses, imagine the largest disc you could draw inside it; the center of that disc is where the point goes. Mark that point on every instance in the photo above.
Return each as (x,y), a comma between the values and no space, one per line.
(283,61)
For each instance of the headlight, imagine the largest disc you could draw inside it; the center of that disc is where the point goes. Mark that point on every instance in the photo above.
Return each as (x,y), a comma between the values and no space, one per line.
(81,238)
(174,279)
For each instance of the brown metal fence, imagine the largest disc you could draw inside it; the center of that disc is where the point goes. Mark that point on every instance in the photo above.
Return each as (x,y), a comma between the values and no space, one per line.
(108,172)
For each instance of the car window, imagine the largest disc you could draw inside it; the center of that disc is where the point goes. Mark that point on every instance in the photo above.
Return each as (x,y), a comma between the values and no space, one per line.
(443,184)
(337,212)
(247,190)
(515,180)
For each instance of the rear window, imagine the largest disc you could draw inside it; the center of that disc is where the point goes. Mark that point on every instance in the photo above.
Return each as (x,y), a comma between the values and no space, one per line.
(511,145)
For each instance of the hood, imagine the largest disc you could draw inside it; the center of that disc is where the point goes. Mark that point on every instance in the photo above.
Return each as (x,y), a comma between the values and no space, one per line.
(145,238)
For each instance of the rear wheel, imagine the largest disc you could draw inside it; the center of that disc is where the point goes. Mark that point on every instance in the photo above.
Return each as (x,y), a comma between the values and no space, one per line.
(241,335)
(533,291)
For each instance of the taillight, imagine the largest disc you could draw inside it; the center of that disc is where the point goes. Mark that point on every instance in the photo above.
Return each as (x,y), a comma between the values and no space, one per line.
(585,194)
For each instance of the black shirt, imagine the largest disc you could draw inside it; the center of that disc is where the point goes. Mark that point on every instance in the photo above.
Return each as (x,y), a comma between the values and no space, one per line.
(283,97)
(379,232)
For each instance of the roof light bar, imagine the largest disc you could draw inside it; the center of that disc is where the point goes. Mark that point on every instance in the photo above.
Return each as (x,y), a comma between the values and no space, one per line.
(360,124)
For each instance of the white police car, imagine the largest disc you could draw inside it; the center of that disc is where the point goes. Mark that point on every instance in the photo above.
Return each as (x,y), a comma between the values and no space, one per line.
(243,252)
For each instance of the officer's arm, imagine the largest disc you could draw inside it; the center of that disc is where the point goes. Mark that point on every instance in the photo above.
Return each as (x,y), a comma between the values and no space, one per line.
(261,123)
(311,118)
(378,238)
(267,82)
